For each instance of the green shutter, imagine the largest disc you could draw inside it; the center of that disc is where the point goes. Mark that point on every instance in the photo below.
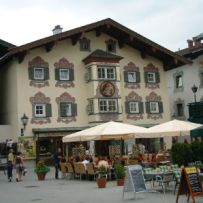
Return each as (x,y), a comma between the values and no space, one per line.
(141,107)
(74,109)
(57,74)
(48,110)
(63,110)
(160,107)
(127,107)
(125,76)
(137,77)
(157,75)
(146,77)
(147,107)
(31,73)
(46,73)
(71,74)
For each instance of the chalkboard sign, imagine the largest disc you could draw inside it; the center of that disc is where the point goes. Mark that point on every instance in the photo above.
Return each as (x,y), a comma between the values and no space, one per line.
(134,180)
(190,183)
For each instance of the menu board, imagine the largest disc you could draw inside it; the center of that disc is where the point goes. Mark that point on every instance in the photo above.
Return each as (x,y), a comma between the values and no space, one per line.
(134,180)
(190,183)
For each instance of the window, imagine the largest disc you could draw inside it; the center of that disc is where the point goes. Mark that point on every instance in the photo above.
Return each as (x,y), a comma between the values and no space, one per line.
(84,44)
(132,77)
(106,73)
(40,110)
(111,45)
(151,77)
(154,107)
(179,81)
(65,109)
(90,107)
(180,110)
(64,74)
(107,105)
(134,107)
(39,73)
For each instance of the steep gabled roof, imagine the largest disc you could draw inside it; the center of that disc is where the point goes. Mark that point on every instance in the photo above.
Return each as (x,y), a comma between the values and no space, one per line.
(113,29)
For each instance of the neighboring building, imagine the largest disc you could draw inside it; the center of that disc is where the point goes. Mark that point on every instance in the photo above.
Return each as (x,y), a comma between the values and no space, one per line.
(75,79)
(185,84)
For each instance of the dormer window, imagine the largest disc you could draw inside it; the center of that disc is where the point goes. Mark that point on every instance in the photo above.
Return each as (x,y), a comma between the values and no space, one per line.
(84,44)
(111,46)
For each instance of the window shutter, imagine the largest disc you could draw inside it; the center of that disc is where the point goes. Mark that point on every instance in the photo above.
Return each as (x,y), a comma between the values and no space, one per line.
(74,109)
(160,107)
(57,74)
(125,76)
(157,75)
(46,73)
(31,73)
(141,107)
(127,107)
(146,77)
(48,110)
(71,76)
(137,77)
(62,110)
(148,107)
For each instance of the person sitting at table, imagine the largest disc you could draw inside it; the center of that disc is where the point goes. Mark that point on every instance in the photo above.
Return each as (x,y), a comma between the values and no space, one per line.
(141,157)
(86,161)
(154,157)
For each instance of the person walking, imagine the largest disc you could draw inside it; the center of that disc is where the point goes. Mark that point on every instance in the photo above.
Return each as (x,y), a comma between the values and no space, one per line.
(10,165)
(57,158)
(19,166)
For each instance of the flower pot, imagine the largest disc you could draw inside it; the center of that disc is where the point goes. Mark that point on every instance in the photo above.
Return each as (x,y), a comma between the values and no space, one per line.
(101,182)
(41,176)
(120,182)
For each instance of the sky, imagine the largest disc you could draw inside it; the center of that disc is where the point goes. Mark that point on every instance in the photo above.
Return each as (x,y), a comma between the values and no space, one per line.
(167,22)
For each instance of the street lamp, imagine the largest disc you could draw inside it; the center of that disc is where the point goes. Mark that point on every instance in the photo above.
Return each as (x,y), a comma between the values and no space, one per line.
(194,90)
(24,120)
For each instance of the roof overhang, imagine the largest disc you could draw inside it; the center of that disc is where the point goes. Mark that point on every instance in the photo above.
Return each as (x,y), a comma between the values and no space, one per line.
(108,26)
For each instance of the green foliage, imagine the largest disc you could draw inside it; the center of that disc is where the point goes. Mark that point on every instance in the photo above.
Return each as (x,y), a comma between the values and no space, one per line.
(182,153)
(102,170)
(119,171)
(42,167)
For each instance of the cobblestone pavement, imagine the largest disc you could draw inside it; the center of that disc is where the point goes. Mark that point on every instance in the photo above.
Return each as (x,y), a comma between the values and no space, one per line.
(75,191)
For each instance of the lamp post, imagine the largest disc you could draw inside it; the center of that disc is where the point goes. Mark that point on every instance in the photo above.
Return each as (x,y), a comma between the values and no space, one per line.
(24,120)
(194,90)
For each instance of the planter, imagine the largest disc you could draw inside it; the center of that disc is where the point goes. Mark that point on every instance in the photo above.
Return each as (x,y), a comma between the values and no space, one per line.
(41,176)
(120,182)
(101,182)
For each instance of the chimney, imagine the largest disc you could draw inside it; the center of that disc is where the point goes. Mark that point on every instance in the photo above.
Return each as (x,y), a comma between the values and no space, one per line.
(190,43)
(58,29)
(197,42)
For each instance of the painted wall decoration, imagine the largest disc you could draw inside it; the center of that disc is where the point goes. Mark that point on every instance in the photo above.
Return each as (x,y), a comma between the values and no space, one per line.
(107,89)
(27,145)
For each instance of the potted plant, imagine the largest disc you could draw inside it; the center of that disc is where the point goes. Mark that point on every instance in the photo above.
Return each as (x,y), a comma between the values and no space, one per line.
(102,173)
(41,170)
(120,174)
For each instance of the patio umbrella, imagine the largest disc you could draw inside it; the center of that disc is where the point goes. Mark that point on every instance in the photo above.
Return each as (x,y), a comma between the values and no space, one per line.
(170,129)
(106,131)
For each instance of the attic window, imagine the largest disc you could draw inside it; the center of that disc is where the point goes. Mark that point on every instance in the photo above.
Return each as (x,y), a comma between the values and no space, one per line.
(84,44)
(111,46)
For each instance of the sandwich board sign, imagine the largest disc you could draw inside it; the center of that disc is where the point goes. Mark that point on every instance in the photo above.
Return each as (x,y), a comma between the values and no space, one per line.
(190,183)
(134,180)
